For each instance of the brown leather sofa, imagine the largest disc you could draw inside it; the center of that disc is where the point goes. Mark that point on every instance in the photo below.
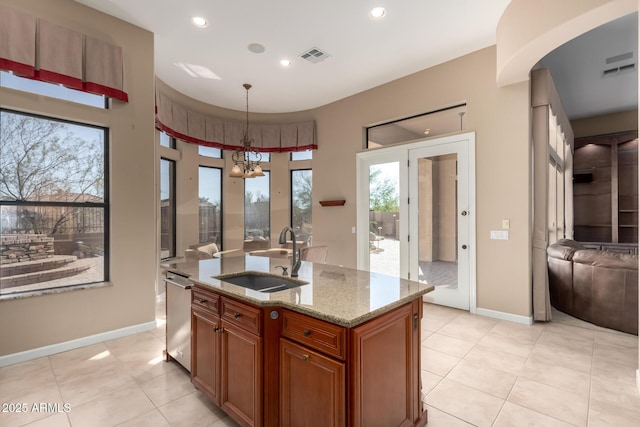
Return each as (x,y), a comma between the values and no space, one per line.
(597,286)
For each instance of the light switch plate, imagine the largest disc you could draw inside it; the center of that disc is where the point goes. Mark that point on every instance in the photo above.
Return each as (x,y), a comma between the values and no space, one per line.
(353,230)
(499,235)
(505,224)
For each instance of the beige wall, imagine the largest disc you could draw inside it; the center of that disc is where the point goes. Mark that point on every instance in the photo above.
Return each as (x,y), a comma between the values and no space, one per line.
(500,118)
(49,319)
(606,123)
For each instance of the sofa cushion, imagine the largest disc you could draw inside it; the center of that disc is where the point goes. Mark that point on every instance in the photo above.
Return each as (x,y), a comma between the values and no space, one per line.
(606,259)
(564,249)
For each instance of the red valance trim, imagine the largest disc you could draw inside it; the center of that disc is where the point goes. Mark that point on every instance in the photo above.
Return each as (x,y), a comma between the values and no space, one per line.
(23,70)
(104,90)
(51,77)
(160,126)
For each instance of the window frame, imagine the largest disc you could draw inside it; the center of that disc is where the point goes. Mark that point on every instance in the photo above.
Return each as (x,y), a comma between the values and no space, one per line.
(105,205)
(67,91)
(173,204)
(244,204)
(221,235)
(291,172)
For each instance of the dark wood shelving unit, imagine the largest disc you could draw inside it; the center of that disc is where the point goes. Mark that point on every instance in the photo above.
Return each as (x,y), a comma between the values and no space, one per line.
(606,204)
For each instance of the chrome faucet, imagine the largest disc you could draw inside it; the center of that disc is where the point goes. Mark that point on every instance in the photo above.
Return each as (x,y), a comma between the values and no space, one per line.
(295,261)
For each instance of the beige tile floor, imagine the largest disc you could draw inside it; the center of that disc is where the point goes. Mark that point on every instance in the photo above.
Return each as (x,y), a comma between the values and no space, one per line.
(476,371)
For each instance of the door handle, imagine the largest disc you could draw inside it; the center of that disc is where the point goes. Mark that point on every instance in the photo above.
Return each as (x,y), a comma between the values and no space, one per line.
(464,246)
(464,213)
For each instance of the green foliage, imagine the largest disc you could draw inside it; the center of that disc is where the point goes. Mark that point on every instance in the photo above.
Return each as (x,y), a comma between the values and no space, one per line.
(383,192)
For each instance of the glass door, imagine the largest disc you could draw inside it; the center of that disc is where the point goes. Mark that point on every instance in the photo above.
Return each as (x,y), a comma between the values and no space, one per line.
(382,176)
(439,222)
(384,218)
(415,215)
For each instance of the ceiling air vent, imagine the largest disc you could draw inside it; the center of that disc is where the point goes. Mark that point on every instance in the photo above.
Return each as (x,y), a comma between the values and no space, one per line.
(314,55)
(610,72)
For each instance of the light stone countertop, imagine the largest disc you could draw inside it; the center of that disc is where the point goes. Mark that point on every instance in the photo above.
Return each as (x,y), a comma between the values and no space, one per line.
(339,295)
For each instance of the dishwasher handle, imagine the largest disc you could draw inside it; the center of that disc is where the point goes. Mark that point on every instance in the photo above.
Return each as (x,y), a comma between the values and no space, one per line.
(182,285)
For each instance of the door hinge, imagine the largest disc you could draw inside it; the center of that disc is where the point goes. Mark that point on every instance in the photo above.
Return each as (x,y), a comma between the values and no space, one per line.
(408,237)
(409,276)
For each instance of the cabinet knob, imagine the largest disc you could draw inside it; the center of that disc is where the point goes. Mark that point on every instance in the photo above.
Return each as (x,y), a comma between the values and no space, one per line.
(306,332)
(236,315)
(216,329)
(202,301)
(305,357)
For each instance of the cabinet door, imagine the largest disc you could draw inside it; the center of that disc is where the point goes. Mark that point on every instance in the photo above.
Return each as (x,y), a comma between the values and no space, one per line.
(205,362)
(386,370)
(312,388)
(241,364)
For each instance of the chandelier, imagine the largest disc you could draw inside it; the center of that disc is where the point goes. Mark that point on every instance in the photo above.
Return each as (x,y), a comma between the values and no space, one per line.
(246,161)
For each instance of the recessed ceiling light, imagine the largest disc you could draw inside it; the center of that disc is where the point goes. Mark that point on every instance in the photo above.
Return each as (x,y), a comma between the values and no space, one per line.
(199,22)
(377,12)
(285,62)
(255,48)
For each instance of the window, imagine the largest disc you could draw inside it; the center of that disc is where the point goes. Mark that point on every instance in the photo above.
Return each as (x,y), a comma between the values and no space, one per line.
(421,126)
(167,208)
(301,186)
(54,207)
(556,190)
(210,206)
(167,141)
(261,157)
(302,155)
(12,81)
(256,208)
(216,153)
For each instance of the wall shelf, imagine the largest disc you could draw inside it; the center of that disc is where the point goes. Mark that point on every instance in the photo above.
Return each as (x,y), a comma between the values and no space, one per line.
(332,202)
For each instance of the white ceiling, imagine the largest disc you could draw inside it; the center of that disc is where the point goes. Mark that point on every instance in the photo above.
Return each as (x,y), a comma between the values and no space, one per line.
(414,35)
(577,69)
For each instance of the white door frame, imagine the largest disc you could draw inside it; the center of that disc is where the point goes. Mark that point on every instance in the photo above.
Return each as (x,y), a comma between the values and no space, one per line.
(401,153)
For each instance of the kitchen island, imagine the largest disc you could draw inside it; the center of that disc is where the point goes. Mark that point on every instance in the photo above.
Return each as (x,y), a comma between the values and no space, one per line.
(341,349)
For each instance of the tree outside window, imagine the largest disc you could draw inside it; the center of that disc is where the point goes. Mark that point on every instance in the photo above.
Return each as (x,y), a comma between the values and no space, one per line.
(53,203)
(301,204)
(257,225)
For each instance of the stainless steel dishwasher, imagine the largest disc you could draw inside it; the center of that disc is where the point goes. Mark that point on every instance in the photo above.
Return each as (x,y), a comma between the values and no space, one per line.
(178,319)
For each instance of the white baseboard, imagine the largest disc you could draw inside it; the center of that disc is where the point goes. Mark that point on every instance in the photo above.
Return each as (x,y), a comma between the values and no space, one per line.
(23,356)
(525,320)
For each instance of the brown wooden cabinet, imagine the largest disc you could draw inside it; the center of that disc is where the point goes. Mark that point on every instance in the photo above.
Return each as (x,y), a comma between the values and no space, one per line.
(205,324)
(226,359)
(312,388)
(275,367)
(386,370)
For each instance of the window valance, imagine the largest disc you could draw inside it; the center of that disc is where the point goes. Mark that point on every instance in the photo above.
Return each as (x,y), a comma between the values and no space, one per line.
(192,126)
(37,49)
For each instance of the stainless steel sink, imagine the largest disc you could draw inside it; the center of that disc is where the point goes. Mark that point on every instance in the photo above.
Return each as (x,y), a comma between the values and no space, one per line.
(261,282)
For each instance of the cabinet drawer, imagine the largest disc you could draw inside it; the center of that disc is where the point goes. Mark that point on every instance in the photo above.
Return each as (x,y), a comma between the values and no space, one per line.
(314,333)
(241,315)
(210,301)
